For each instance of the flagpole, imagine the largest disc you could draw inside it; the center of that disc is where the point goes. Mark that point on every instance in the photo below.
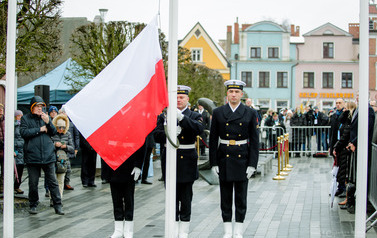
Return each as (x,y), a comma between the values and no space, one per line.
(8,227)
(171,152)
(362,137)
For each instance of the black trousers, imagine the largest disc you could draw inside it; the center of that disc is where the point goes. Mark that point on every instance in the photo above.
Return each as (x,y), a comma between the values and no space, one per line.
(88,166)
(123,200)
(147,159)
(240,199)
(20,171)
(183,201)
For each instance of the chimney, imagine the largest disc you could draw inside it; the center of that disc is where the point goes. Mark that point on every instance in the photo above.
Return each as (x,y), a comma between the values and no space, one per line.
(228,40)
(354,29)
(244,26)
(236,33)
(295,31)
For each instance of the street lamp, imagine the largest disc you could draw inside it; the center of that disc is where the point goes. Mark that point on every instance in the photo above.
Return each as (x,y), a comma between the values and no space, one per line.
(103,13)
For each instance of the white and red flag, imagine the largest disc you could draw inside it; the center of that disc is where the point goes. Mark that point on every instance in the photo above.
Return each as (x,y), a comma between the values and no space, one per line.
(119,107)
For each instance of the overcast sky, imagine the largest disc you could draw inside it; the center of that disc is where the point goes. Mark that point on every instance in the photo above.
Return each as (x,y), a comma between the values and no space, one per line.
(215,15)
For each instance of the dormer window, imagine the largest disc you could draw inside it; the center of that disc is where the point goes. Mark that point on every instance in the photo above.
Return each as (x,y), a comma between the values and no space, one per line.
(328,50)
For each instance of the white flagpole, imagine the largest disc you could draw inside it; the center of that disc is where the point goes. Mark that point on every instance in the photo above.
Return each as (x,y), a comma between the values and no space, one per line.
(362,137)
(171,152)
(8,229)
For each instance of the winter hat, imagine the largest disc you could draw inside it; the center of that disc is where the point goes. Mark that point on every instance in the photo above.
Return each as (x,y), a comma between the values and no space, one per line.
(18,113)
(53,108)
(61,123)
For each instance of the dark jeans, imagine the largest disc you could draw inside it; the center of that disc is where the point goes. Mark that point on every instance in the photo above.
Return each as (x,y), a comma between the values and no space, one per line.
(123,200)
(34,171)
(240,199)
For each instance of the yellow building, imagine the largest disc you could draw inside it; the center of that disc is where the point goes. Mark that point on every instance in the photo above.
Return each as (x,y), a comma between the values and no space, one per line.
(205,51)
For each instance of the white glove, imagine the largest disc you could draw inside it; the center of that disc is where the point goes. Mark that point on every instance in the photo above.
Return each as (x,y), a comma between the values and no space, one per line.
(249,171)
(136,171)
(215,169)
(179,115)
(179,130)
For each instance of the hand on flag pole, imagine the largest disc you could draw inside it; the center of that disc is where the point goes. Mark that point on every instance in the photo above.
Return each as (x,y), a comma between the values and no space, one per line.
(179,115)
(136,172)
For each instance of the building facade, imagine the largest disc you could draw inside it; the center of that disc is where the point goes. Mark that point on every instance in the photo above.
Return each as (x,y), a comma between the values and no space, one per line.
(262,56)
(328,67)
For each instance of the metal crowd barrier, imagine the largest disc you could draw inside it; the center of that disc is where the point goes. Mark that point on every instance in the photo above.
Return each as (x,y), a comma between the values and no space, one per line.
(303,139)
(372,185)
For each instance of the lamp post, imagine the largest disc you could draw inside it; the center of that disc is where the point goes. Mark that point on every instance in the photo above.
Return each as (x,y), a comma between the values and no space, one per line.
(103,12)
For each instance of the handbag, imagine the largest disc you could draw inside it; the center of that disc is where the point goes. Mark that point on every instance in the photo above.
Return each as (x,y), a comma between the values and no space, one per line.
(61,162)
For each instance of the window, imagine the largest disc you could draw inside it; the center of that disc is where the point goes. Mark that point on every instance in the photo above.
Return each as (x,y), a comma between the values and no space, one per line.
(264,79)
(281,104)
(196,55)
(255,52)
(308,80)
(346,80)
(246,78)
(328,50)
(282,80)
(273,52)
(327,80)
(327,106)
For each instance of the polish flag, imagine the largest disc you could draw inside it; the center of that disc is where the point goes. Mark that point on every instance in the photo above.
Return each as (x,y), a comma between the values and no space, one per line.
(119,107)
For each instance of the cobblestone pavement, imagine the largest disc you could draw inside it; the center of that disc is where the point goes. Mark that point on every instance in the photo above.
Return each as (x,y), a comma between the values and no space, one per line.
(296,207)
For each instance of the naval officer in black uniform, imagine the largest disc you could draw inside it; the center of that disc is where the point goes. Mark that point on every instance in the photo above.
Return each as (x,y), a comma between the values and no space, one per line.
(189,125)
(234,149)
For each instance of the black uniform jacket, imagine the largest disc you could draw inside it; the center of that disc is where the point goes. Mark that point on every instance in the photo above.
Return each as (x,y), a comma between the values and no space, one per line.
(233,160)
(187,159)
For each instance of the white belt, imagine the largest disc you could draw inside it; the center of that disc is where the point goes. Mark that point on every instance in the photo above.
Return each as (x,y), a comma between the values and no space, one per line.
(233,142)
(186,147)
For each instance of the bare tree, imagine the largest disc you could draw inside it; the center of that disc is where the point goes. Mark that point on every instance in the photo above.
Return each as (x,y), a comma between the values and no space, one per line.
(38,33)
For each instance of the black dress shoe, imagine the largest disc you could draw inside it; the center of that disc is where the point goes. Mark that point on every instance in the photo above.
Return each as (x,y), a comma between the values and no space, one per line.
(92,185)
(145,182)
(105,181)
(33,210)
(338,192)
(59,210)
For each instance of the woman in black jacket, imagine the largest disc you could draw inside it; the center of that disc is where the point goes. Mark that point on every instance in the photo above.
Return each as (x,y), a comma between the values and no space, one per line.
(342,154)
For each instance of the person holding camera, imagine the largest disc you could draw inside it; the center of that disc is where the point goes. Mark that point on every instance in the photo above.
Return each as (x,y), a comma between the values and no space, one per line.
(39,153)
(63,147)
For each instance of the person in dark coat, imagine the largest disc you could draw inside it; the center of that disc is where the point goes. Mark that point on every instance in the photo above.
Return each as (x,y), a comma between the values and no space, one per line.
(122,185)
(189,127)
(298,134)
(278,128)
(334,124)
(39,153)
(206,123)
(88,163)
(18,152)
(149,148)
(319,119)
(234,150)
(340,152)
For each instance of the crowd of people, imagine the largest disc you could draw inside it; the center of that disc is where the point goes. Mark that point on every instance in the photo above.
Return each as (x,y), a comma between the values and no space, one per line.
(48,141)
